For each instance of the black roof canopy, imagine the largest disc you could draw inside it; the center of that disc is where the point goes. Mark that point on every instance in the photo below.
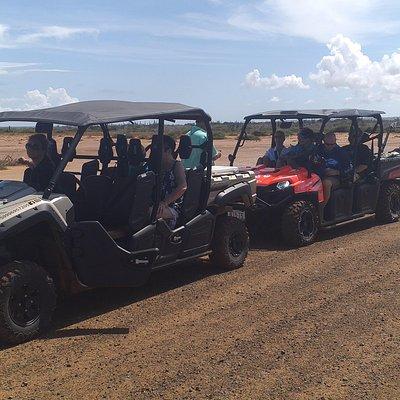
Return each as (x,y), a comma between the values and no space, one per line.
(105,111)
(324,113)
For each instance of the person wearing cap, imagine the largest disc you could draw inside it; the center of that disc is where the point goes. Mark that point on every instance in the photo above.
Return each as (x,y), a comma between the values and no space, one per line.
(364,157)
(198,138)
(334,163)
(299,155)
(272,154)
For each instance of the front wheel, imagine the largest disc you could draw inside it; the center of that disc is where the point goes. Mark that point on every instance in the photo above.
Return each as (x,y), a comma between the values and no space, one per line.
(388,207)
(230,243)
(300,223)
(27,301)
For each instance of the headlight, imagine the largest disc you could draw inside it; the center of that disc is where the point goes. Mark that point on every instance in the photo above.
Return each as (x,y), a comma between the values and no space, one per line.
(282,185)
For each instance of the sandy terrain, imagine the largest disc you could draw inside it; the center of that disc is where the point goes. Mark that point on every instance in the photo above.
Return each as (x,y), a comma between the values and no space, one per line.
(14,145)
(320,322)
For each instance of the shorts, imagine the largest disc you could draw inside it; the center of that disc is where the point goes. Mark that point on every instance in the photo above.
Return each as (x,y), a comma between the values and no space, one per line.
(174,218)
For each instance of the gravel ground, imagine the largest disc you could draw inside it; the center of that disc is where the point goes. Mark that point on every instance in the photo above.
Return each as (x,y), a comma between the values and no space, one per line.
(320,322)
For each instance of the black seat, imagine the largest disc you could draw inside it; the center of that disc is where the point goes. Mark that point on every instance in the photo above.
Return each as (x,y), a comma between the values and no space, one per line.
(67,143)
(89,168)
(67,184)
(136,156)
(105,153)
(140,211)
(121,147)
(193,195)
(119,202)
(94,196)
(52,151)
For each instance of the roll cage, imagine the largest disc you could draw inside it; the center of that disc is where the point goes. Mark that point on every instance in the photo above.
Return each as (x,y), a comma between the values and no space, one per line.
(323,116)
(83,115)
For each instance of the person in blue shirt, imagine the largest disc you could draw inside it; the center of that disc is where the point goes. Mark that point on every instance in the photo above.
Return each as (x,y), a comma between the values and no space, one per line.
(299,155)
(198,137)
(333,163)
(272,155)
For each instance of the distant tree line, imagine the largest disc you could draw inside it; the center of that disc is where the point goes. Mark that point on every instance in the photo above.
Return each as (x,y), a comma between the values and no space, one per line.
(221,130)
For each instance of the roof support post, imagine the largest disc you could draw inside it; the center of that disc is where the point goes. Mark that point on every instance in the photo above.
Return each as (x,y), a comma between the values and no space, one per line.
(60,168)
(158,168)
(239,142)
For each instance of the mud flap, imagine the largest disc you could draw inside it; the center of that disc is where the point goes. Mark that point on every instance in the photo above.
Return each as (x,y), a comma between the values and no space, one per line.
(99,262)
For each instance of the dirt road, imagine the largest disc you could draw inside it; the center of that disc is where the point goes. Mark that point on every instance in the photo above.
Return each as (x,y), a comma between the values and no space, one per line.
(320,322)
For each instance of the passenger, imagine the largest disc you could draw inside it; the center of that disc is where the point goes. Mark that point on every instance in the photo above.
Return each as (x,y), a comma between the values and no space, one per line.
(364,158)
(299,155)
(272,155)
(335,163)
(198,137)
(173,184)
(41,169)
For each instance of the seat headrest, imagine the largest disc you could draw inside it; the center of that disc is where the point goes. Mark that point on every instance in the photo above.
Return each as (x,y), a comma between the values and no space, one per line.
(136,152)
(121,146)
(44,127)
(67,143)
(185,147)
(105,150)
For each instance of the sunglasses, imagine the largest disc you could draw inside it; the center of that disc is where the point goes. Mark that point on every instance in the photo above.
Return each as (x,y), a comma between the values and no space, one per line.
(32,146)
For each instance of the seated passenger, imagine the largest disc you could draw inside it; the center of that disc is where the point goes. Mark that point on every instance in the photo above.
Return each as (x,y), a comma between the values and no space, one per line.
(41,169)
(272,155)
(299,155)
(173,184)
(198,137)
(364,158)
(334,163)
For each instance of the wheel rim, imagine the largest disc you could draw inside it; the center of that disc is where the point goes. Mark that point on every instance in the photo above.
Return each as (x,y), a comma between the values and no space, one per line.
(306,224)
(236,244)
(24,305)
(394,205)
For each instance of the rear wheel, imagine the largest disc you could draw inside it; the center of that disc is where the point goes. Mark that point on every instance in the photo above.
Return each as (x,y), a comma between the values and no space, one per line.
(388,207)
(27,301)
(230,243)
(300,223)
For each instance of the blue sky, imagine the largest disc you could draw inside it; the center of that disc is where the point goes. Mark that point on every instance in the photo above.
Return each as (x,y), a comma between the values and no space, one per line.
(230,57)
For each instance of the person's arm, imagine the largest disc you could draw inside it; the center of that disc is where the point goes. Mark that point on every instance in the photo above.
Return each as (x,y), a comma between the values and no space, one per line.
(365,158)
(181,185)
(215,154)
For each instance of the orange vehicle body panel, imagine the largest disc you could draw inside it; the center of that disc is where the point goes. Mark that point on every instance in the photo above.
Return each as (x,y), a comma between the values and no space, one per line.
(299,179)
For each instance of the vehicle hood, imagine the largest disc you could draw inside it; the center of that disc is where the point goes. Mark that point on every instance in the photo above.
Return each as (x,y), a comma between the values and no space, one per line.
(14,190)
(270,176)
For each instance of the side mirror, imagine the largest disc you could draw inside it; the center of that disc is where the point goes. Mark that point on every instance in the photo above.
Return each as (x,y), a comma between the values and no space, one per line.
(185,147)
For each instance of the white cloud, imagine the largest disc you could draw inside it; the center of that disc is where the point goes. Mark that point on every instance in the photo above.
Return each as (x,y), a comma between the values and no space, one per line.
(54,32)
(34,99)
(254,80)
(6,67)
(274,99)
(317,20)
(51,98)
(348,67)
(310,101)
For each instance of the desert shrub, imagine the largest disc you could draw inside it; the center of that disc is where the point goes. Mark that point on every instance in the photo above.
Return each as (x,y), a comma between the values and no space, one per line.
(8,161)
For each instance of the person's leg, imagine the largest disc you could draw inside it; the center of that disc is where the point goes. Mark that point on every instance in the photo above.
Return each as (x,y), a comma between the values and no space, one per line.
(329,183)
(170,215)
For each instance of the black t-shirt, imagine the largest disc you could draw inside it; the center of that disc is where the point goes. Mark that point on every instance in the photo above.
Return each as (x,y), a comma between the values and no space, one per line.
(39,177)
(364,155)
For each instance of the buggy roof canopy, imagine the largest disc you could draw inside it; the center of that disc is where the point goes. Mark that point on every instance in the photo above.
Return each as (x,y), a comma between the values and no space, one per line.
(105,111)
(324,113)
